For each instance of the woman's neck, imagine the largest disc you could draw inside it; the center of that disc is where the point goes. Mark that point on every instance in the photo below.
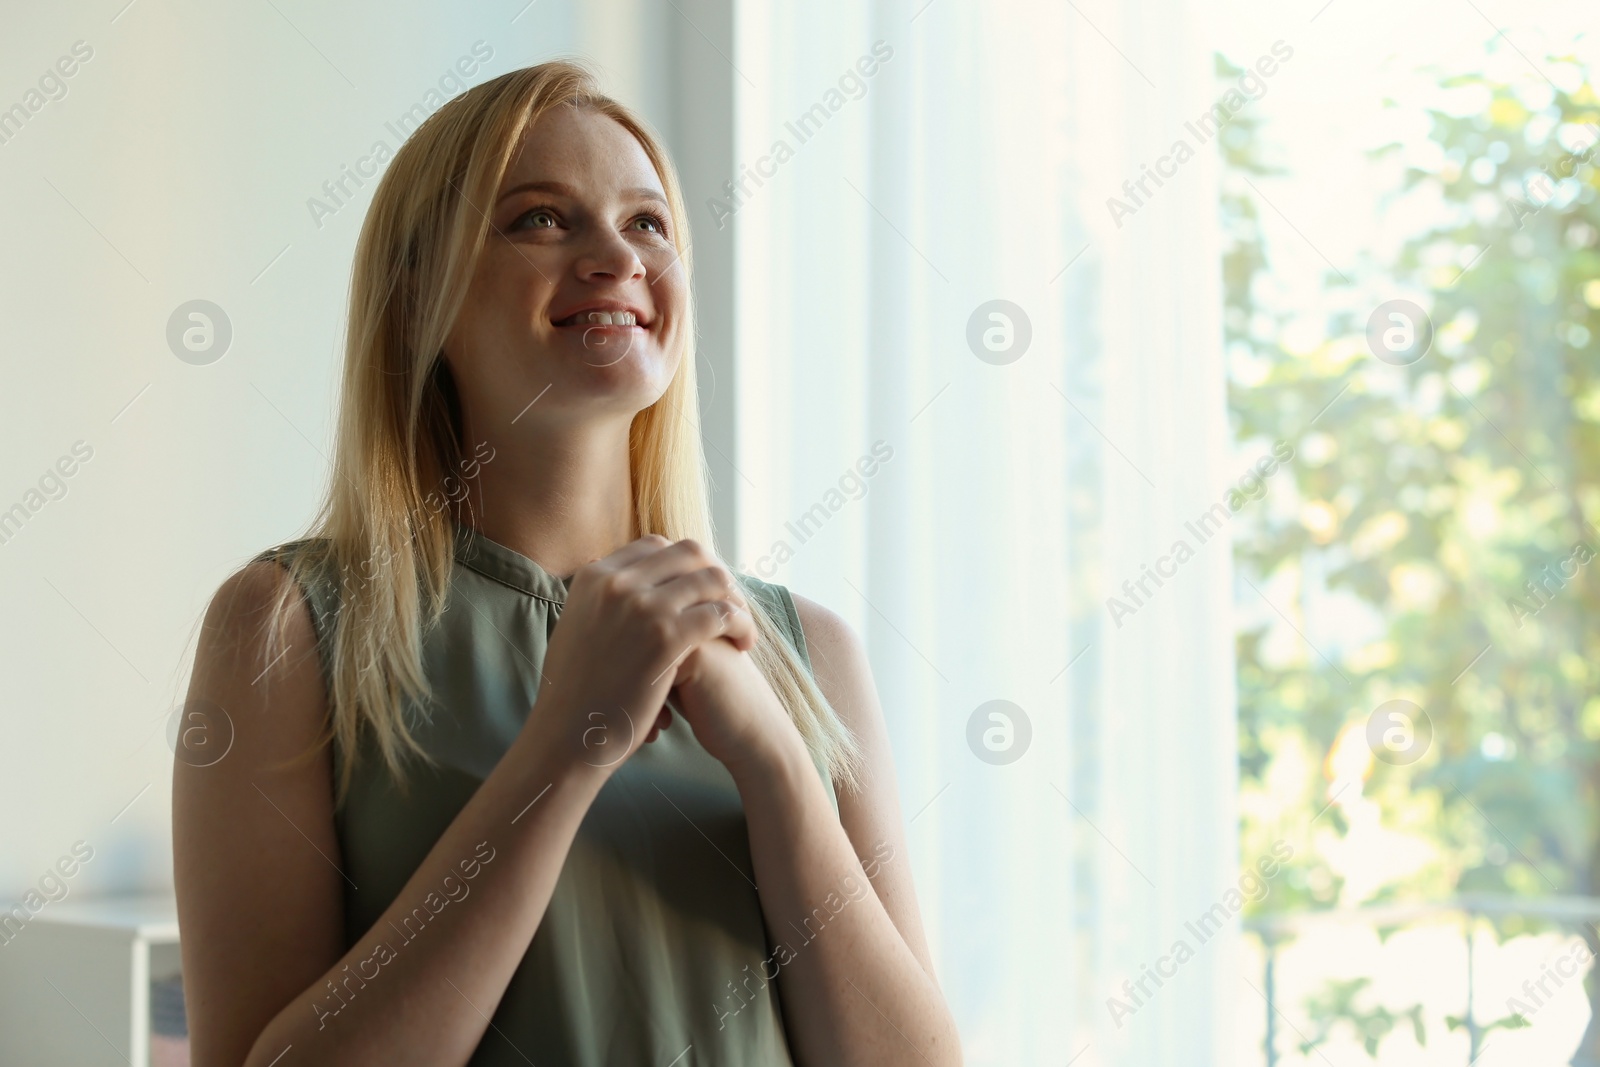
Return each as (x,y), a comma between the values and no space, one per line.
(562,501)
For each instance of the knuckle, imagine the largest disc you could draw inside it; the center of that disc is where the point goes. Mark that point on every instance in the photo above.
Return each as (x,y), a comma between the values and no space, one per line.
(637,598)
(615,587)
(660,628)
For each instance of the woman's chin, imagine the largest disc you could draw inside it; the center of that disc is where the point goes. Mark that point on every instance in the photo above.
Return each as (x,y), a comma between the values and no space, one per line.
(636,377)
(612,349)
(614,368)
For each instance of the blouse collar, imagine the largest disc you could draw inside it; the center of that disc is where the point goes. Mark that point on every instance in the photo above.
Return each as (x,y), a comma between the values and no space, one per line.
(507,566)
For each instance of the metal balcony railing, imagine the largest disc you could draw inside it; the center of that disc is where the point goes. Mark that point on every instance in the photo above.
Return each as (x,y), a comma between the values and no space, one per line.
(1572,912)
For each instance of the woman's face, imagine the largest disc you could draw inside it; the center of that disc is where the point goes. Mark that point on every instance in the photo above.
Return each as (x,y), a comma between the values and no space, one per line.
(579,225)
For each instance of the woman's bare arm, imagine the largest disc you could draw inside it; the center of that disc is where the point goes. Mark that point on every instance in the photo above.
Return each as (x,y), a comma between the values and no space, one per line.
(260,888)
(853,969)
(871,817)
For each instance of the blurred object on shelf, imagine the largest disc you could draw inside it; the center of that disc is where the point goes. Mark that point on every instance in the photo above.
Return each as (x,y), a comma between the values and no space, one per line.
(169,1029)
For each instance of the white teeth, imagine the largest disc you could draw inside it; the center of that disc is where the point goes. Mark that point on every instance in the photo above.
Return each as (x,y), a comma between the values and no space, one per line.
(611,318)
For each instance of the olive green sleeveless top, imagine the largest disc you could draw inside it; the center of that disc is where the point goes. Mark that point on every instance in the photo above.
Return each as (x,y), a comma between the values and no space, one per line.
(651,950)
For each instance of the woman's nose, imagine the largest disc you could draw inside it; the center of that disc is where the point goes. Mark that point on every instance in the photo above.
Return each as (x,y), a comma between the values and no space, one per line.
(607,254)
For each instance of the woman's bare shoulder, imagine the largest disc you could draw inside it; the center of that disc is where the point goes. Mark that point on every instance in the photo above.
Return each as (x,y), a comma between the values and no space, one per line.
(255,850)
(837,653)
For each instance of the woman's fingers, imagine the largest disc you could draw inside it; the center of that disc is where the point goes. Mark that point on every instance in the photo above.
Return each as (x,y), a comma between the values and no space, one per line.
(742,630)
(670,559)
(684,576)
(629,554)
(719,618)
(707,622)
(706,585)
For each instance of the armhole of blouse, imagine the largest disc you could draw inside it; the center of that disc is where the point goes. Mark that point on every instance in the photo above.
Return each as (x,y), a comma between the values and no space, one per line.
(324,613)
(796,633)
(780,596)
(317,603)
(780,605)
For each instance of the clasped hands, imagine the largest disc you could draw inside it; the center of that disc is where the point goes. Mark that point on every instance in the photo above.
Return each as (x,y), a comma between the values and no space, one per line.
(653,619)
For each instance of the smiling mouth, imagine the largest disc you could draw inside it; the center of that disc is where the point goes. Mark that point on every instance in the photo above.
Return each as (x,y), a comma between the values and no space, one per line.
(591,319)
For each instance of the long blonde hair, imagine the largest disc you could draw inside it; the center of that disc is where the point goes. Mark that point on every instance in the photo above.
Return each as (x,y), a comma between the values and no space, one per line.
(399,425)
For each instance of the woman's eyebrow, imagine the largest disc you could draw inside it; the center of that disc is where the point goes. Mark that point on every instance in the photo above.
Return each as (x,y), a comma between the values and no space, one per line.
(562,189)
(642,193)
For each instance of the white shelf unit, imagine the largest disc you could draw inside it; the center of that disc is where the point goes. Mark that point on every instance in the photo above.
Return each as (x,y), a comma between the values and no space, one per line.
(75,982)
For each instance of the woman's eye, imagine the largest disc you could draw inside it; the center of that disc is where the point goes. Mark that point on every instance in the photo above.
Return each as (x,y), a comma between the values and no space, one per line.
(657,221)
(536,213)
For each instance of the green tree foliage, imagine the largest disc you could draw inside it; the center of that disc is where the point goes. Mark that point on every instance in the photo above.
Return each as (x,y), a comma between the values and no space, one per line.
(1456,498)
(1339,1004)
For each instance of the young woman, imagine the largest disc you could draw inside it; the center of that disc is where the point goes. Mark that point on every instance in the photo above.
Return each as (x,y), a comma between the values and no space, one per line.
(457,821)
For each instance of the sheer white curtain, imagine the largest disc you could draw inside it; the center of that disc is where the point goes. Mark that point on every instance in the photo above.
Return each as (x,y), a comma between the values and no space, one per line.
(901,166)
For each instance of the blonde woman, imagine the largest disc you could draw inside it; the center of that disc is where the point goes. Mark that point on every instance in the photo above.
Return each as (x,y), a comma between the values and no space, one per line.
(458,819)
